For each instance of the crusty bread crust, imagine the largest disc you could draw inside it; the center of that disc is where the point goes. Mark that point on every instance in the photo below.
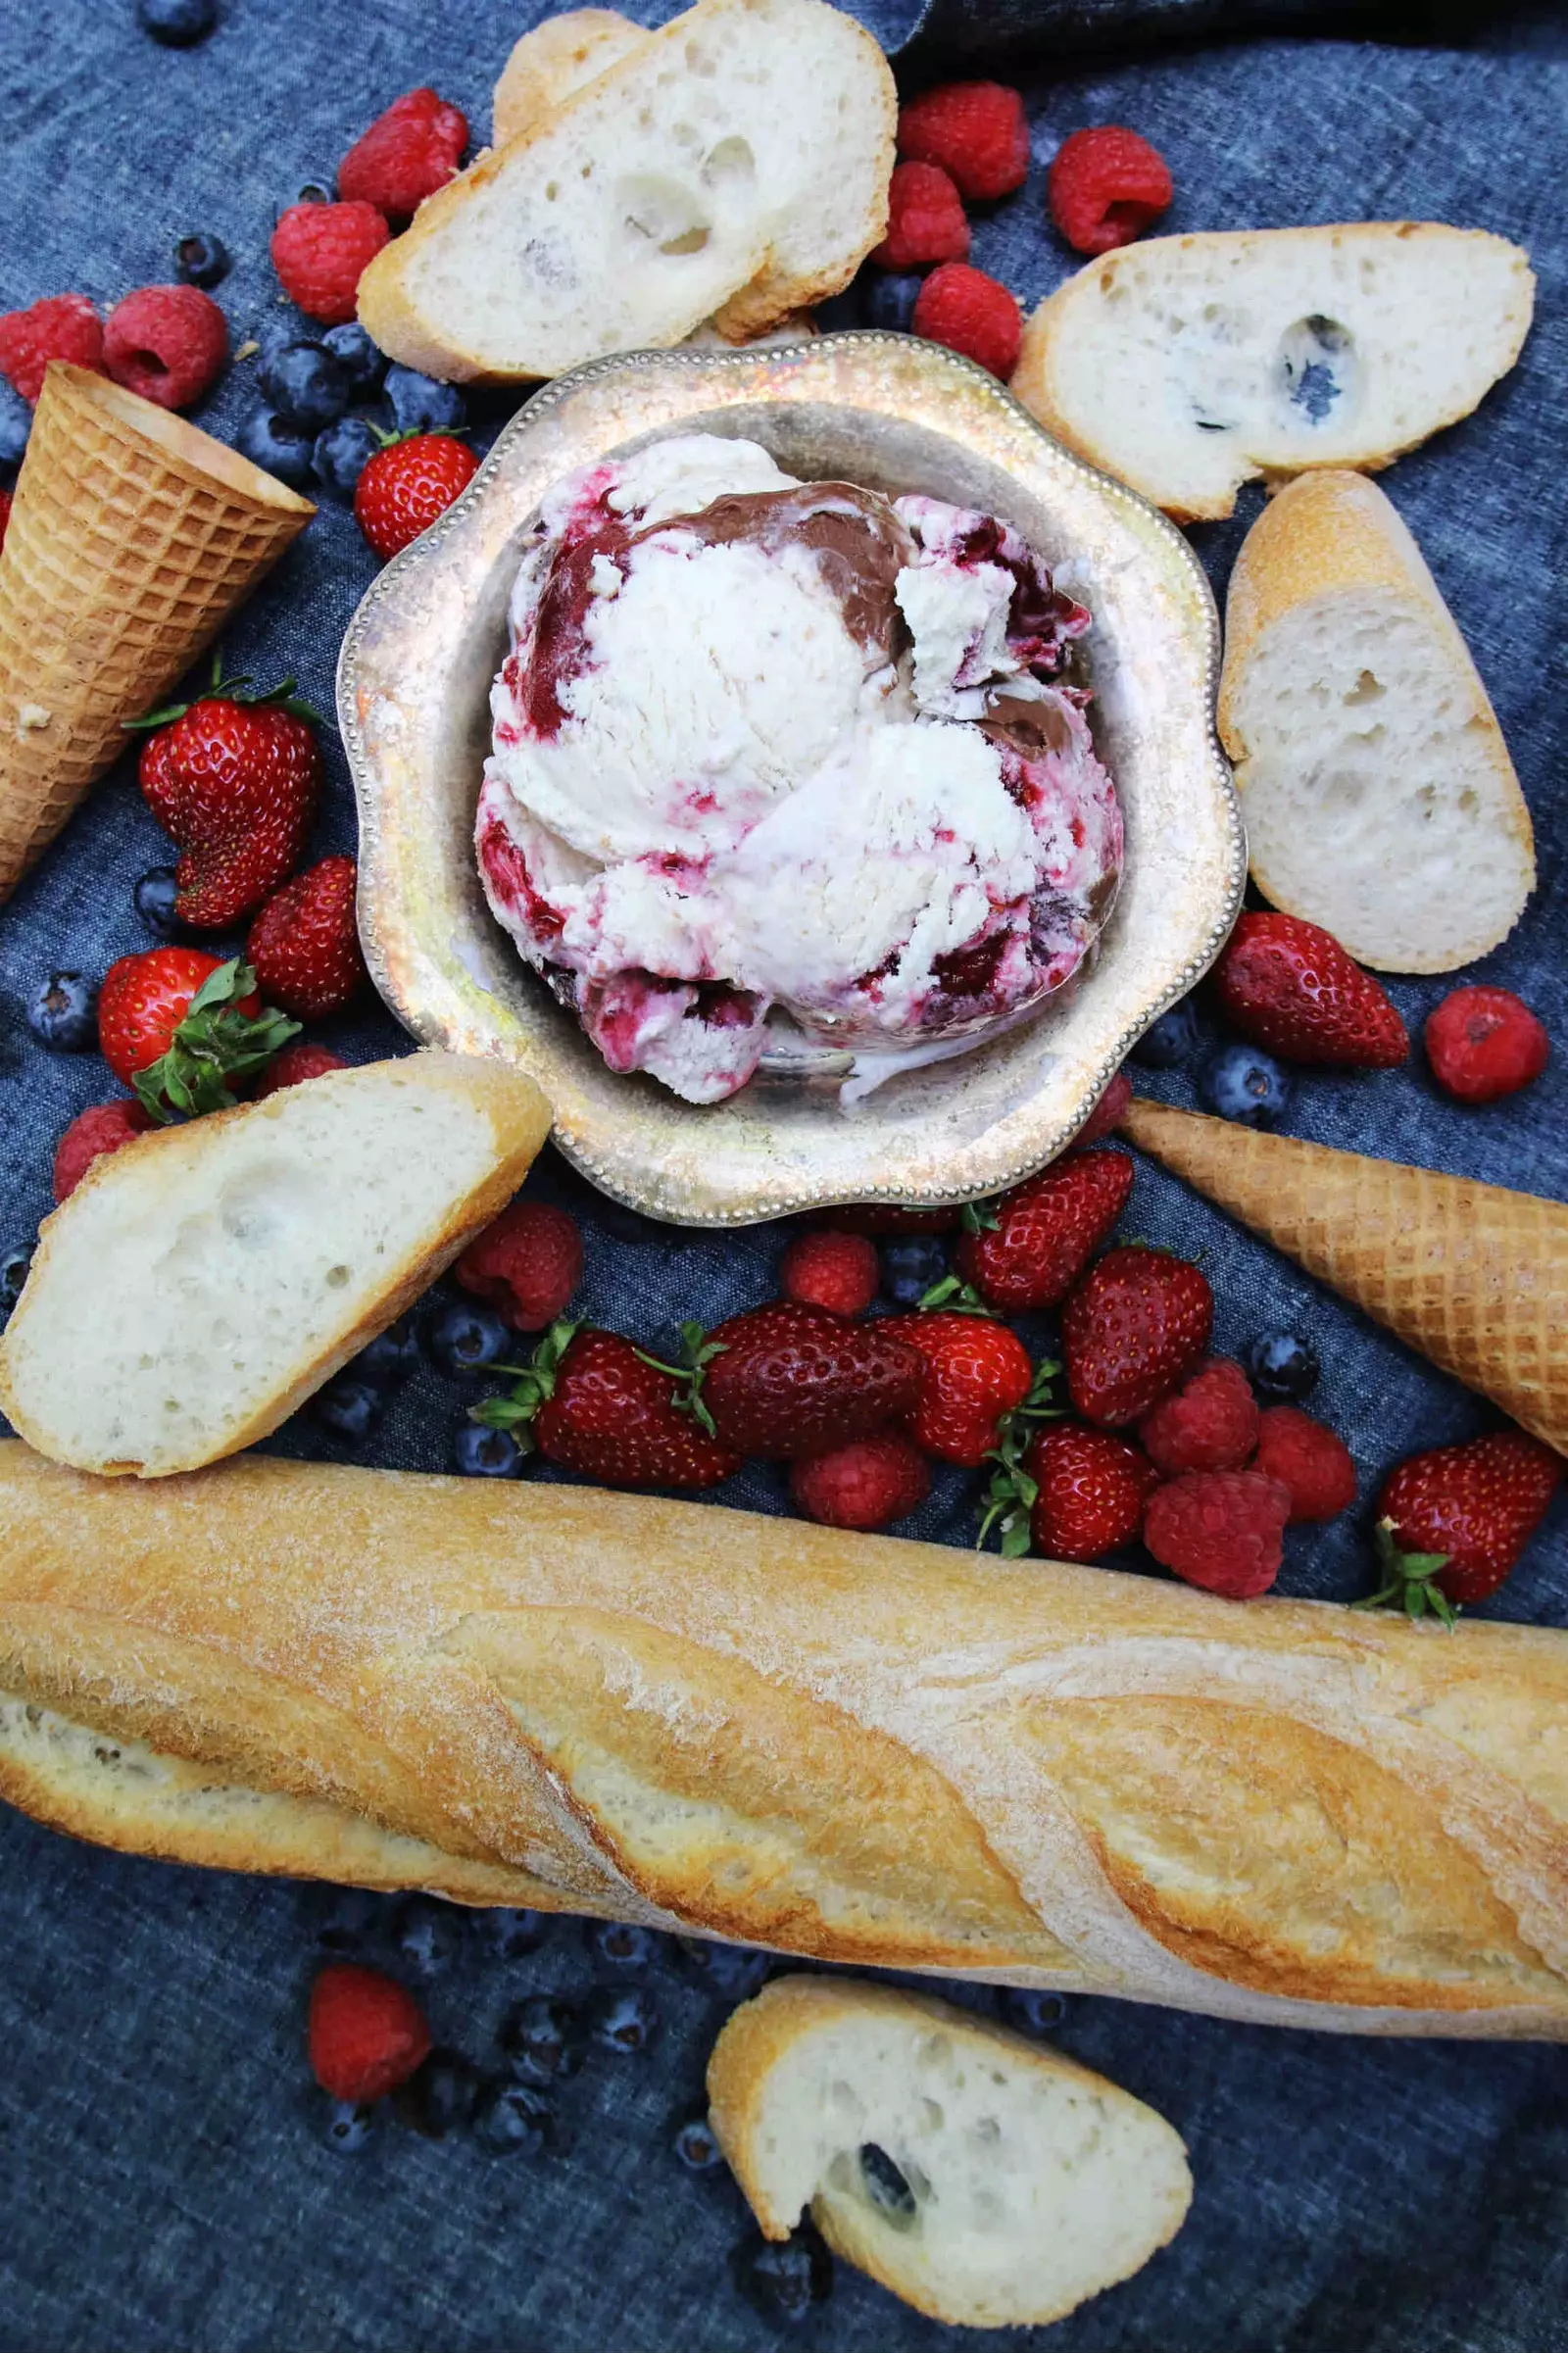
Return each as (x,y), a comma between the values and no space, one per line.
(553,61)
(845,1746)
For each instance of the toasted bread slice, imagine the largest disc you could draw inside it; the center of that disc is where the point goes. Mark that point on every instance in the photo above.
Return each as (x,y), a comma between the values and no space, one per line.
(554,62)
(1188,366)
(1379,795)
(202,1282)
(988,2181)
(736,162)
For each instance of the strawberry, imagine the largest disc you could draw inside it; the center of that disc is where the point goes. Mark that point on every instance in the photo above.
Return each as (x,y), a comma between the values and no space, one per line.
(179,1026)
(1032,1247)
(1130,1330)
(1091,1489)
(234,779)
(595,1404)
(402,489)
(865,1485)
(528,1263)
(367,2034)
(1108,1112)
(305,944)
(1451,1523)
(1290,986)
(293,1066)
(974,1375)
(784,1380)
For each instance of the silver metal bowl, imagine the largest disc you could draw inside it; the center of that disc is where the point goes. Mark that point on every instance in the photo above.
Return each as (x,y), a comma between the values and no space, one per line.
(896,415)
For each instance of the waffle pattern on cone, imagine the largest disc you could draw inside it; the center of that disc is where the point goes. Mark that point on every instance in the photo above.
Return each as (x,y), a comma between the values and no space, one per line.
(1474,1277)
(124,558)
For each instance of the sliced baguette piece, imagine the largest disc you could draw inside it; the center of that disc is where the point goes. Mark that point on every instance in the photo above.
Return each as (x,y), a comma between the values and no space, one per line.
(749,139)
(1029,2183)
(1379,797)
(554,62)
(201,1283)
(1189,365)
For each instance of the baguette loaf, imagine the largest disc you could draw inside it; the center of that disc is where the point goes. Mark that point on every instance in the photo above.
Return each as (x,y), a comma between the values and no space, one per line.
(1189,365)
(843,1746)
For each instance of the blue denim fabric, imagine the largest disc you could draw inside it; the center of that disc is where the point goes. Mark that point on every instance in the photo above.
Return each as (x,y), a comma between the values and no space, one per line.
(162,2185)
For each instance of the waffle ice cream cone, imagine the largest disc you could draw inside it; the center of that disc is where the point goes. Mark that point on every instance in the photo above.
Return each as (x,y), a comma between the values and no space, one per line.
(132,539)
(1474,1277)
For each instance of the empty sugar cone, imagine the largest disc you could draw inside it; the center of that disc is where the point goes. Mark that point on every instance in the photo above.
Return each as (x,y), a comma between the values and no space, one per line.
(1474,1277)
(132,539)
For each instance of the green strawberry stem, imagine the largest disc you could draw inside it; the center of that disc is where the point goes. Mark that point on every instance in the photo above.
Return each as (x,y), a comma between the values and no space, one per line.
(282,697)
(697,1355)
(953,1293)
(534,1382)
(214,1042)
(1409,1580)
(980,1218)
(1012,1494)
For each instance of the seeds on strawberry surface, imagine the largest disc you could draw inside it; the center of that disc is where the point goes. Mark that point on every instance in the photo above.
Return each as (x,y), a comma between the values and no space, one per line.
(784,1380)
(974,1374)
(1453,1522)
(183,1028)
(305,943)
(234,779)
(594,1403)
(408,486)
(1132,1327)
(1092,1489)
(1029,1251)
(1287,985)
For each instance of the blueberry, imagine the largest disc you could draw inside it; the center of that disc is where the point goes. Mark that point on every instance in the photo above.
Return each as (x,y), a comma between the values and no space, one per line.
(1031,2011)
(1283,1369)
(427,1936)
(421,403)
(348,1918)
(512,2120)
(14,1265)
(784,2279)
(365,360)
(349,1408)
(543,2039)
(734,1971)
(1242,1082)
(154,900)
(271,442)
(696,2145)
(439,2096)
(911,1264)
(885,2183)
(391,1354)
(505,1934)
(341,455)
(15,423)
(467,1338)
(845,310)
(316,187)
(621,1944)
(62,1014)
(624,2018)
(891,297)
(202,261)
(1170,1041)
(305,383)
(178,24)
(347,2125)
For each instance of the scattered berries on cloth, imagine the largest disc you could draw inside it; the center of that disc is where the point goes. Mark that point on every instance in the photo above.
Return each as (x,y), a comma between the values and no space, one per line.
(1210,1423)
(836,1271)
(974,1373)
(1221,1530)
(305,944)
(104,1128)
(1040,1236)
(976,131)
(63,326)
(1290,986)
(1458,1517)
(1092,1491)
(1485,1043)
(972,315)
(366,2032)
(294,1065)
(404,155)
(1106,186)
(322,251)
(862,1486)
(926,220)
(1310,1461)
(167,343)
(1131,1330)
(528,1263)
(782,1380)
(595,1406)
(405,487)
(235,784)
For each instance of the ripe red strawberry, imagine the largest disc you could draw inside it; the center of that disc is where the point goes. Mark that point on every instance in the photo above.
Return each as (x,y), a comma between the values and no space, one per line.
(1108,1112)
(975,1373)
(103,1128)
(322,251)
(976,131)
(1210,1423)
(405,487)
(1092,1489)
(404,155)
(1130,1330)
(181,1026)
(1453,1522)
(784,1380)
(235,782)
(595,1404)
(1485,1043)
(367,2034)
(167,343)
(1032,1247)
(63,327)
(1221,1530)
(528,1263)
(305,944)
(1308,1459)
(293,1066)
(1290,986)
(838,1272)
(865,1485)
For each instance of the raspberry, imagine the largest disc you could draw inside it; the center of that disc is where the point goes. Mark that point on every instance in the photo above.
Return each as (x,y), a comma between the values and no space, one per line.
(404,155)
(862,1486)
(1310,1462)
(294,1065)
(970,314)
(65,327)
(1483,1043)
(1210,1423)
(925,219)
(322,251)
(1220,1530)
(1106,186)
(104,1128)
(528,1264)
(835,1271)
(1108,1114)
(975,130)
(367,2034)
(168,343)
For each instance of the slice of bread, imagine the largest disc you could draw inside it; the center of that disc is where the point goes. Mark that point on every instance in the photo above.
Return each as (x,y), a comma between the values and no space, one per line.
(988,2181)
(554,62)
(202,1282)
(736,162)
(1188,366)
(1379,797)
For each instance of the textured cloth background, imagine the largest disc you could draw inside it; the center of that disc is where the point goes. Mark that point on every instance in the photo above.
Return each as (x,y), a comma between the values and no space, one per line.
(162,2181)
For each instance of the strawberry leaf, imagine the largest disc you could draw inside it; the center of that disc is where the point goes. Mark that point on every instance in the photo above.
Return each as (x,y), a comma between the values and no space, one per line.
(962,1298)
(980,1218)
(214,1042)
(1409,1580)
(697,1353)
(534,1382)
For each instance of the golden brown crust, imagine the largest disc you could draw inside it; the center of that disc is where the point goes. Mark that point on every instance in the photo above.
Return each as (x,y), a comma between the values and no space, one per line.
(554,60)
